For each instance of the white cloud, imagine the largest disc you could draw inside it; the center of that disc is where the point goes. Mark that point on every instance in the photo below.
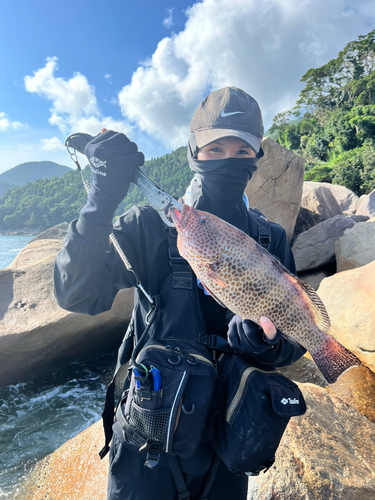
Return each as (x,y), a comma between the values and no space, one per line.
(52,144)
(6,124)
(168,21)
(108,77)
(263,48)
(74,104)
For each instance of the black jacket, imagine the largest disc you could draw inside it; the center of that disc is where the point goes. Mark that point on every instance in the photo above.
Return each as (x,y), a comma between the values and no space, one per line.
(89,272)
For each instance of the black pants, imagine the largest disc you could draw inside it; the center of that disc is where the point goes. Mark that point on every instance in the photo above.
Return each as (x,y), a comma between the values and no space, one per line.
(129,479)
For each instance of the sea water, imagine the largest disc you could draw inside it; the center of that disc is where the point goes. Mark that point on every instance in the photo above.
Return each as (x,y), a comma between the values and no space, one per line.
(10,247)
(38,416)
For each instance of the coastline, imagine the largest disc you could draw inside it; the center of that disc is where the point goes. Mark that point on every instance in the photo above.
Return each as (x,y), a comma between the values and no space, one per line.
(20,232)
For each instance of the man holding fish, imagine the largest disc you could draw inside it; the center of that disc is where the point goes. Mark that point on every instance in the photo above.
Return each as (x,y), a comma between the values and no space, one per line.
(245,295)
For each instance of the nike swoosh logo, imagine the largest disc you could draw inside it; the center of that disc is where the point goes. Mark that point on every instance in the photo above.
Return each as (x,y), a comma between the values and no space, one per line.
(224,114)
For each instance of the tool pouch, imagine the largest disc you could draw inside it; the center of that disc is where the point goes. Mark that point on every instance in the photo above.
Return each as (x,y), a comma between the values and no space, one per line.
(253,408)
(167,413)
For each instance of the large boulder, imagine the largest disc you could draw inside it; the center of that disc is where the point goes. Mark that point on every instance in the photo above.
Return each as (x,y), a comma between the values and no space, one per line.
(349,298)
(317,205)
(53,233)
(327,453)
(316,247)
(276,186)
(366,205)
(73,472)
(36,335)
(346,199)
(356,247)
(357,387)
(304,371)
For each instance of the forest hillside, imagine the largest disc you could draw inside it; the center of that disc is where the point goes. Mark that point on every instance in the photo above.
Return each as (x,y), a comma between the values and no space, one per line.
(333,122)
(332,126)
(44,203)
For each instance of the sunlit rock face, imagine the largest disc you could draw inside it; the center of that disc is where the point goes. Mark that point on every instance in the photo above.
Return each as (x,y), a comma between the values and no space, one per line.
(326,453)
(73,472)
(349,298)
(276,186)
(36,335)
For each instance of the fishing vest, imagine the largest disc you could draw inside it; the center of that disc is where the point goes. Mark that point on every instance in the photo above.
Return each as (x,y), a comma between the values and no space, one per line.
(174,315)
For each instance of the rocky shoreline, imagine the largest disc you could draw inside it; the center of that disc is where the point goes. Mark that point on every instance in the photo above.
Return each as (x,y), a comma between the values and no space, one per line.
(20,232)
(327,453)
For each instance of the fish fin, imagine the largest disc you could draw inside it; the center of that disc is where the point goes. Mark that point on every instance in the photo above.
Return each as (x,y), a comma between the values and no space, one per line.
(213,295)
(310,297)
(215,278)
(313,302)
(333,359)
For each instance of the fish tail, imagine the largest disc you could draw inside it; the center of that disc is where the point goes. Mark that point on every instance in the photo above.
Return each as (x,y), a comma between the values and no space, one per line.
(333,359)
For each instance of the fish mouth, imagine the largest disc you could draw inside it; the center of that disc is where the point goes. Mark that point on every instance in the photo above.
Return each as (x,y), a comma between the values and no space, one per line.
(175,214)
(181,219)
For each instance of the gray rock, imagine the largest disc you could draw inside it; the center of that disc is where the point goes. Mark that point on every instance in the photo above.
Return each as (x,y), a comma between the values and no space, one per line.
(346,199)
(318,204)
(356,247)
(304,371)
(366,205)
(36,335)
(360,218)
(316,247)
(276,186)
(54,233)
(314,277)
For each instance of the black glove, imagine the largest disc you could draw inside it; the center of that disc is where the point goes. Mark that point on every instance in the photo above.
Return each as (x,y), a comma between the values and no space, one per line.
(246,337)
(112,159)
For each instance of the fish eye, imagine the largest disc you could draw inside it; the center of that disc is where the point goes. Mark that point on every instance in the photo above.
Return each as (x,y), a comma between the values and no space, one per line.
(203,220)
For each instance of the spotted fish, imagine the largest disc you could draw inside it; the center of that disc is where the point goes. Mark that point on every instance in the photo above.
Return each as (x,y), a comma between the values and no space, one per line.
(244,277)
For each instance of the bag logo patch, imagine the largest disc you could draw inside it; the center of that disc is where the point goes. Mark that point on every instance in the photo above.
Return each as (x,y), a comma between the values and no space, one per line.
(290,401)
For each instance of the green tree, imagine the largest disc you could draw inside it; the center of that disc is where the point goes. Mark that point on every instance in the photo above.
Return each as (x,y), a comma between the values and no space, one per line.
(334,84)
(335,119)
(47,202)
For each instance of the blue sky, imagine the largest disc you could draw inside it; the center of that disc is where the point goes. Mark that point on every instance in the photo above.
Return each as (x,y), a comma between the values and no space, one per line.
(142,67)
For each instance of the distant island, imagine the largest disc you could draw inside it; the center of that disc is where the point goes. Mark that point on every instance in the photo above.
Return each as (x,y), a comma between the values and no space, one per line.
(30,171)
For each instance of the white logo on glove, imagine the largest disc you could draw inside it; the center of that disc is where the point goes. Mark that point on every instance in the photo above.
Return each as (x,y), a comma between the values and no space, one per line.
(97,163)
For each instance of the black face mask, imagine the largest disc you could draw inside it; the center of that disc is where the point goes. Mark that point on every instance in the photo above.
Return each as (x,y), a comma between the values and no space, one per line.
(218,187)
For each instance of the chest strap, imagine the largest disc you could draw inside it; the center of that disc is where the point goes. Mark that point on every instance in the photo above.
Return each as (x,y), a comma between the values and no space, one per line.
(182,274)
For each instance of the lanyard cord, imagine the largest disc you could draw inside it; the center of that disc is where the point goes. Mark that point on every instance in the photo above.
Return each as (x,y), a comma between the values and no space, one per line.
(112,236)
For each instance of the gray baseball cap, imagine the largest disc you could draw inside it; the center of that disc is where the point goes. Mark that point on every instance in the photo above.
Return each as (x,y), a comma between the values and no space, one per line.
(228,112)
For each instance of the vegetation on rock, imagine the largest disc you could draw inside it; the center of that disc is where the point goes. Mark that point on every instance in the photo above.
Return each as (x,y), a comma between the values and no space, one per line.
(335,128)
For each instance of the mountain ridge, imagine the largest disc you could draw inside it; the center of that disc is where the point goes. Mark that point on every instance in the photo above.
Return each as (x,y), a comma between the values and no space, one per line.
(31,171)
